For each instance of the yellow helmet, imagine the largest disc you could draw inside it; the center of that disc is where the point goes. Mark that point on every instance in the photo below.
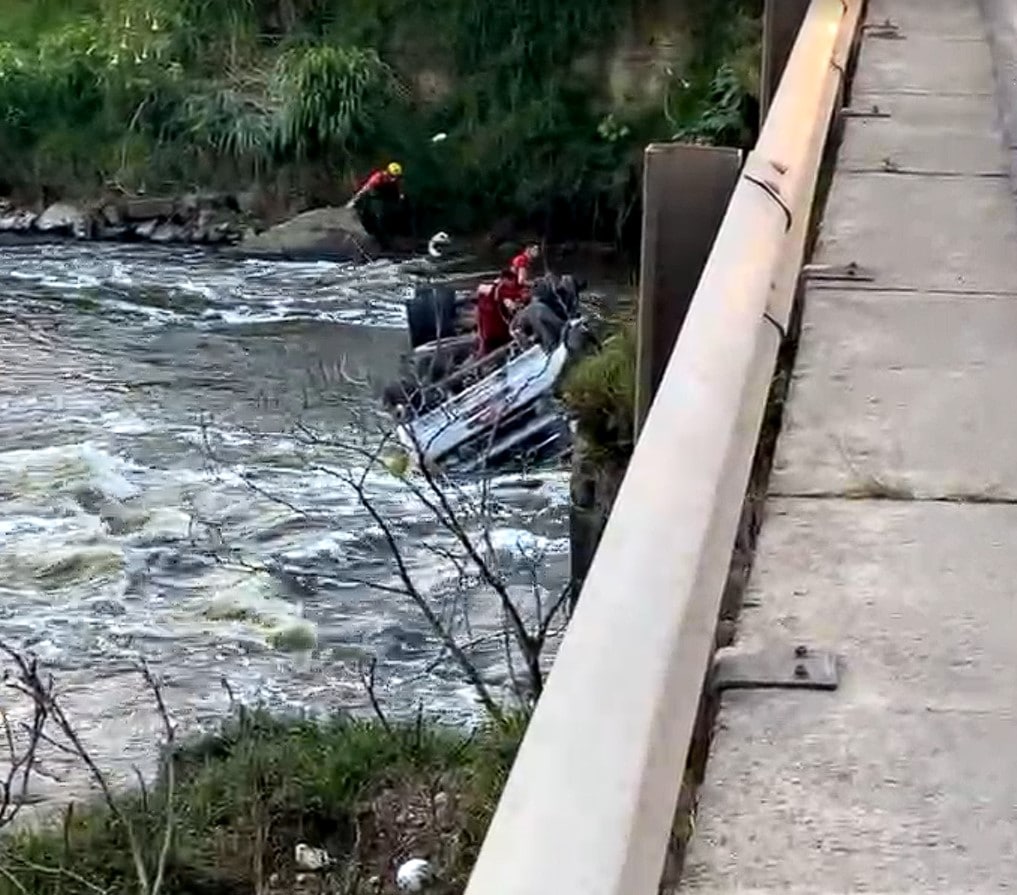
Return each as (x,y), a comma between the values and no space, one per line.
(395,169)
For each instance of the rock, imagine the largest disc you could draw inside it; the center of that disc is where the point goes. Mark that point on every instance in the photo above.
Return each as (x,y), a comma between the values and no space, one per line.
(187,207)
(110,233)
(203,226)
(333,234)
(250,201)
(222,234)
(214,228)
(143,208)
(168,232)
(145,229)
(65,219)
(17,221)
(111,215)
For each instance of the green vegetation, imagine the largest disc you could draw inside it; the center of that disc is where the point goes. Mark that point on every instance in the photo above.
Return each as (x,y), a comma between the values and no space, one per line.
(303,96)
(371,793)
(600,392)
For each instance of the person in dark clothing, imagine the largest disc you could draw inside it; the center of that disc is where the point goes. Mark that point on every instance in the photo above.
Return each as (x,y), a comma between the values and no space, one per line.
(543,319)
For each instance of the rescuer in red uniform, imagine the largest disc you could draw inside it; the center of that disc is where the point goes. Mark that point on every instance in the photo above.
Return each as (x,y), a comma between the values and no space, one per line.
(378,200)
(497,304)
(522,265)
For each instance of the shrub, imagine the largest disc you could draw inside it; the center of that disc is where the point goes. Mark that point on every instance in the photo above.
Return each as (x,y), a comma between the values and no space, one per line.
(600,393)
(330,98)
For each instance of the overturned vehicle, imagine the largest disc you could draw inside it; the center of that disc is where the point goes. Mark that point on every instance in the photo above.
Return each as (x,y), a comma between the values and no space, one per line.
(459,408)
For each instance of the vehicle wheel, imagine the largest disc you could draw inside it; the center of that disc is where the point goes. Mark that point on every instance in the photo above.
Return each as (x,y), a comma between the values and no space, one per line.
(431,314)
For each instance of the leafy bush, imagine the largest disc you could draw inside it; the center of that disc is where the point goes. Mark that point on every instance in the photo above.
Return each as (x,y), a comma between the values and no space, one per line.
(600,393)
(330,98)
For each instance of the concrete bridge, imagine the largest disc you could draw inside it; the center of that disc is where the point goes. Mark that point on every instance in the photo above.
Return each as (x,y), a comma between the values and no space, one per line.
(861,726)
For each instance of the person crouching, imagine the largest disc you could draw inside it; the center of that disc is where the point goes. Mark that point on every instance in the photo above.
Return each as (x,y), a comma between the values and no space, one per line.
(498,304)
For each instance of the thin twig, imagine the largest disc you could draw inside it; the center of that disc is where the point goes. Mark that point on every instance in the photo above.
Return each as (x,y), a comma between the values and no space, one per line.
(169,730)
(62,871)
(31,683)
(13,880)
(368,680)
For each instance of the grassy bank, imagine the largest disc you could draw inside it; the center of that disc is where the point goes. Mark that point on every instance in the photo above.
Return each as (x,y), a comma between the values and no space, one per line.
(302,96)
(372,794)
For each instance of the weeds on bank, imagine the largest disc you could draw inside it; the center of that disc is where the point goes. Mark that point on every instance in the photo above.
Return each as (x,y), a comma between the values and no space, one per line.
(229,807)
(600,394)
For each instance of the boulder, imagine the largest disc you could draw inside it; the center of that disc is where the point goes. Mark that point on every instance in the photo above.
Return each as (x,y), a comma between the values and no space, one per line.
(17,221)
(145,229)
(251,202)
(64,219)
(112,232)
(214,228)
(168,233)
(111,215)
(202,226)
(332,234)
(142,208)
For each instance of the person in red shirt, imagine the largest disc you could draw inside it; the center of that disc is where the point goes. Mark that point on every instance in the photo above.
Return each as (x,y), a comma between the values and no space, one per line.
(497,304)
(384,182)
(378,201)
(522,265)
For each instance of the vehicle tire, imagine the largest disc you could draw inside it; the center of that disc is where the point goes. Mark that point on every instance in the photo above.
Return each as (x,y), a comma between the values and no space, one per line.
(431,314)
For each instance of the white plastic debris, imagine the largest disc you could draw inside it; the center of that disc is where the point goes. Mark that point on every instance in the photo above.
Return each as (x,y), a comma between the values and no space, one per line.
(313,859)
(413,875)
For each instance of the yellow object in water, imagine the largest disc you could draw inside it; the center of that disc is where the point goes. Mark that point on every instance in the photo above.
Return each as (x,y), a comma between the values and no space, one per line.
(398,464)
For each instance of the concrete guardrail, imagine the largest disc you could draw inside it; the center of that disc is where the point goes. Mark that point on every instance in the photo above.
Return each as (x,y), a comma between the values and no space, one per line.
(589,805)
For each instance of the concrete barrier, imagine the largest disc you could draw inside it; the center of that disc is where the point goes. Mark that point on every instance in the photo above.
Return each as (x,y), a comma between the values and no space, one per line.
(589,805)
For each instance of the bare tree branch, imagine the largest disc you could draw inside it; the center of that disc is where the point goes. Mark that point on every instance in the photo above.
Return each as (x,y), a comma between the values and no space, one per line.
(21,763)
(58,871)
(30,682)
(367,678)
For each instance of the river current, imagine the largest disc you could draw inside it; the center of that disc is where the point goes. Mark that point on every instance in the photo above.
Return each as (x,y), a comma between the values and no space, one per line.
(149,468)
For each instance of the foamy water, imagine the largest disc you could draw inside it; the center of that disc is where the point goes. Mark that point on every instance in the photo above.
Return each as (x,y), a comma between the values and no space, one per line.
(157,503)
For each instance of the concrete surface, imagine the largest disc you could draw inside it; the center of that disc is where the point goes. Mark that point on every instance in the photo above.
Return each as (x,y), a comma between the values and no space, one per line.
(925,134)
(1001,27)
(903,780)
(889,531)
(924,63)
(892,391)
(936,17)
(922,232)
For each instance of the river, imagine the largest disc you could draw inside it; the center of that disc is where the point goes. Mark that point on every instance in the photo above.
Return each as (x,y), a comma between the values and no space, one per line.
(149,467)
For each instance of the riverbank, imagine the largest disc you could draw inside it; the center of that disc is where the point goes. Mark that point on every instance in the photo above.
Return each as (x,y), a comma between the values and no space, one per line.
(544,116)
(197,219)
(229,221)
(238,802)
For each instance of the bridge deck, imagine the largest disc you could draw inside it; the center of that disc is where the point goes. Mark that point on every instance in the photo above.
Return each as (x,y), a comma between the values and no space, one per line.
(891,529)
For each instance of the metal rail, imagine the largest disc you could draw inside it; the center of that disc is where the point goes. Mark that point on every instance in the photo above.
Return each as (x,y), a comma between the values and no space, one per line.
(589,805)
